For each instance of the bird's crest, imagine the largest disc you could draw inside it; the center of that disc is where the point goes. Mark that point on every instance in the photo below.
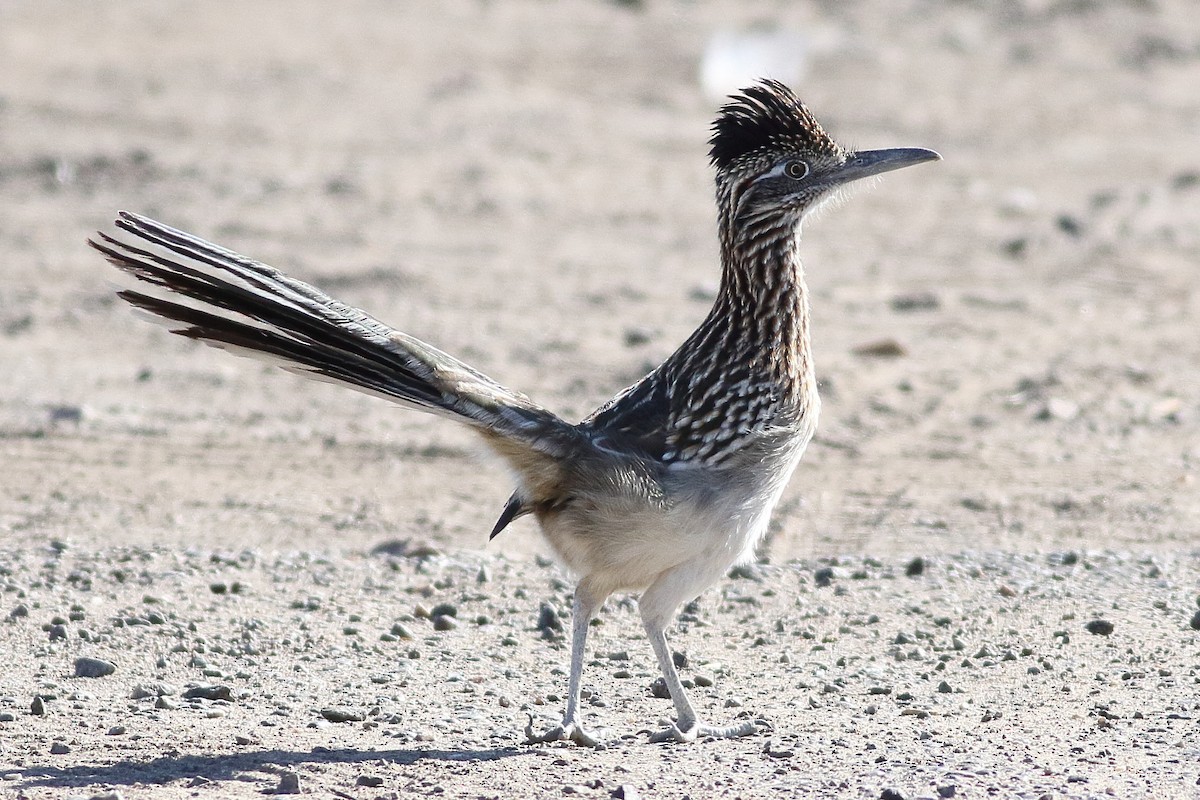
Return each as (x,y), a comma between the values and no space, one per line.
(765,116)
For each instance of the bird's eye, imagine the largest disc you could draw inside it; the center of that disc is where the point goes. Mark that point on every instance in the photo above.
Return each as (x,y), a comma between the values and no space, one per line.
(796,169)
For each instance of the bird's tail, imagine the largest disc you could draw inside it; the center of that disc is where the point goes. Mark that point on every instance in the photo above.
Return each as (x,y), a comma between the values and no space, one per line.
(229,301)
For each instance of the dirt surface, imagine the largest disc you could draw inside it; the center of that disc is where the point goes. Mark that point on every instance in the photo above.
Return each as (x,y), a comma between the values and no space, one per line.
(1007,344)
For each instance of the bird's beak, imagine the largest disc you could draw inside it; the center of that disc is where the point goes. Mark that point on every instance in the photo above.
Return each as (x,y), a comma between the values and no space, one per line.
(866,163)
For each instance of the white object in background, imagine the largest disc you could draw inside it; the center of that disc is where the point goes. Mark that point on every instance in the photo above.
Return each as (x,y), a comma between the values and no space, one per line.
(735,59)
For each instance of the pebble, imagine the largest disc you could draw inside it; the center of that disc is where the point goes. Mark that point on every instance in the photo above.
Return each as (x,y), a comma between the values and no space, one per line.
(86,667)
(371,781)
(916,301)
(549,623)
(59,749)
(116,730)
(1195,623)
(401,632)
(19,611)
(442,622)
(625,791)
(947,790)
(209,693)
(58,631)
(342,715)
(7,716)
(1099,627)
(289,783)
(882,348)
(1059,408)
(915,567)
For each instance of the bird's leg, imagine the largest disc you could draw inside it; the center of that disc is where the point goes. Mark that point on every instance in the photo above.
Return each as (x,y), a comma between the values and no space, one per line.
(658,606)
(582,611)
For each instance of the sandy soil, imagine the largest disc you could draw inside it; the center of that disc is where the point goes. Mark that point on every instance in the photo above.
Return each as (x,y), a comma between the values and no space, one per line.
(524,184)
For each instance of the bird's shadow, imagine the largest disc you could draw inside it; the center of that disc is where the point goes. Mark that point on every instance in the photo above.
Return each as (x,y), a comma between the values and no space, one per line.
(239,766)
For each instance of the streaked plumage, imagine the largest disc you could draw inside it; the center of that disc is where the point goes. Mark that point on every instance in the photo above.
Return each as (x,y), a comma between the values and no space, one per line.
(664,487)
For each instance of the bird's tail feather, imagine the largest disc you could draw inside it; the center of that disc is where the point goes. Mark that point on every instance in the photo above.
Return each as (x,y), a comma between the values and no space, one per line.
(229,301)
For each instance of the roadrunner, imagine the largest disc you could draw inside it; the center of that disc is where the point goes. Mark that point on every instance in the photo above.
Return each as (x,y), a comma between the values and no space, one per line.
(664,487)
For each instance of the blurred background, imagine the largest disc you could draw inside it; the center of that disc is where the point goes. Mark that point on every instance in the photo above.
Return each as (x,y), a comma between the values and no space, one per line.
(1007,340)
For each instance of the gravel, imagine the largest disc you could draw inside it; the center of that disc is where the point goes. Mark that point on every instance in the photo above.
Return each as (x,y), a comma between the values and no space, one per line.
(815,665)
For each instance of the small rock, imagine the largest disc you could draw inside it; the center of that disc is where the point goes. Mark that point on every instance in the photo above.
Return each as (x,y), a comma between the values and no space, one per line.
(1069,225)
(484,575)
(65,414)
(209,693)
(116,730)
(916,301)
(371,781)
(947,790)
(1195,623)
(86,667)
(945,688)
(7,716)
(405,548)
(637,336)
(59,749)
(342,715)
(1059,408)
(58,632)
(659,689)
(38,706)
(549,623)
(21,610)
(401,632)
(625,791)
(890,794)
(444,610)
(289,783)
(111,794)
(823,577)
(1099,627)
(773,753)
(883,348)
(442,622)
(915,567)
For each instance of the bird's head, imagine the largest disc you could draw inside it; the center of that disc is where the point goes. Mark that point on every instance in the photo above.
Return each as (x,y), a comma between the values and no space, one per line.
(775,163)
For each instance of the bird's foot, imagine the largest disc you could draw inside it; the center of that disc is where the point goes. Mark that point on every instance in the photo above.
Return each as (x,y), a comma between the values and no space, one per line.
(567,731)
(690,733)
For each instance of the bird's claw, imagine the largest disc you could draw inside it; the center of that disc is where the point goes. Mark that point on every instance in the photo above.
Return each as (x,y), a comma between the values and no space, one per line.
(567,731)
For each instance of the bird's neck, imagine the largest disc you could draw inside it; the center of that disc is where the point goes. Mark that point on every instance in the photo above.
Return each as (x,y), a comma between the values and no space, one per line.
(762,307)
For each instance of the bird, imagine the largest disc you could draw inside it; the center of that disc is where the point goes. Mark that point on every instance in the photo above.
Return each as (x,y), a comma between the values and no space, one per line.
(662,489)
